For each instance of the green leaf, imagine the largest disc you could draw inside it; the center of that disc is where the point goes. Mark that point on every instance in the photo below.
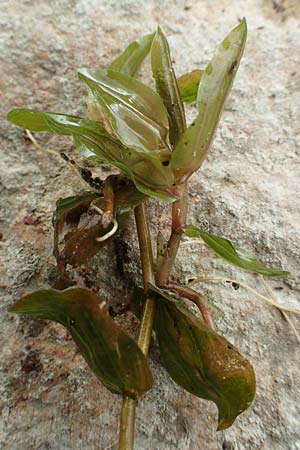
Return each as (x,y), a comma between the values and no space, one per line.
(132,57)
(214,87)
(136,113)
(149,176)
(128,63)
(166,85)
(85,132)
(112,355)
(147,170)
(203,362)
(188,85)
(77,225)
(234,255)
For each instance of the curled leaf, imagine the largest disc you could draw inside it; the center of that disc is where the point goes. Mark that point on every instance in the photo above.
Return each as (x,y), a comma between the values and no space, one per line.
(135,112)
(166,84)
(203,362)
(113,356)
(215,85)
(77,225)
(188,85)
(234,255)
(128,63)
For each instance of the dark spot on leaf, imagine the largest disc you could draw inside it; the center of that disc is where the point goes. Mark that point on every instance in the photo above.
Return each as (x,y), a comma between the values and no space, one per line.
(229,347)
(165,163)
(235,286)
(232,67)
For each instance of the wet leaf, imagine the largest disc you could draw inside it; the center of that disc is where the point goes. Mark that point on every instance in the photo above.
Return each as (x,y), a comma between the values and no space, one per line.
(77,225)
(188,85)
(166,85)
(136,113)
(234,255)
(132,57)
(128,63)
(149,175)
(203,362)
(215,85)
(147,171)
(113,356)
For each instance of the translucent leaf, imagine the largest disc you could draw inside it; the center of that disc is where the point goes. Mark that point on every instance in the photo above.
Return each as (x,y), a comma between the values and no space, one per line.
(112,355)
(132,57)
(215,85)
(166,85)
(135,112)
(128,63)
(203,362)
(147,170)
(188,85)
(234,255)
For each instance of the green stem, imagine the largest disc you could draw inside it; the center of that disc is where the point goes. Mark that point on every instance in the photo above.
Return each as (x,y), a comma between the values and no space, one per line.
(127,419)
(127,422)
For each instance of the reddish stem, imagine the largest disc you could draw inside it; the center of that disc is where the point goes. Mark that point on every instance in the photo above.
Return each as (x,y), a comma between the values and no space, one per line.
(195,297)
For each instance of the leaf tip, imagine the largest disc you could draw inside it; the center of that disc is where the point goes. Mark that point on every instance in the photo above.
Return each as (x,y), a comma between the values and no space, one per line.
(11,309)
(16,308)
(11,115)
(242,27)
(224,423)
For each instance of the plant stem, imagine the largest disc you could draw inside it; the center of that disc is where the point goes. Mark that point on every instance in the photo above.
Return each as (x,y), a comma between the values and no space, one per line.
(127,419)
(196,298)
(179,211)
(127,422)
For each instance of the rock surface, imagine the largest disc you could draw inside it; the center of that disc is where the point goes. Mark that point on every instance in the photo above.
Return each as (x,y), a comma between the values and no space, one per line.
(247,190)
